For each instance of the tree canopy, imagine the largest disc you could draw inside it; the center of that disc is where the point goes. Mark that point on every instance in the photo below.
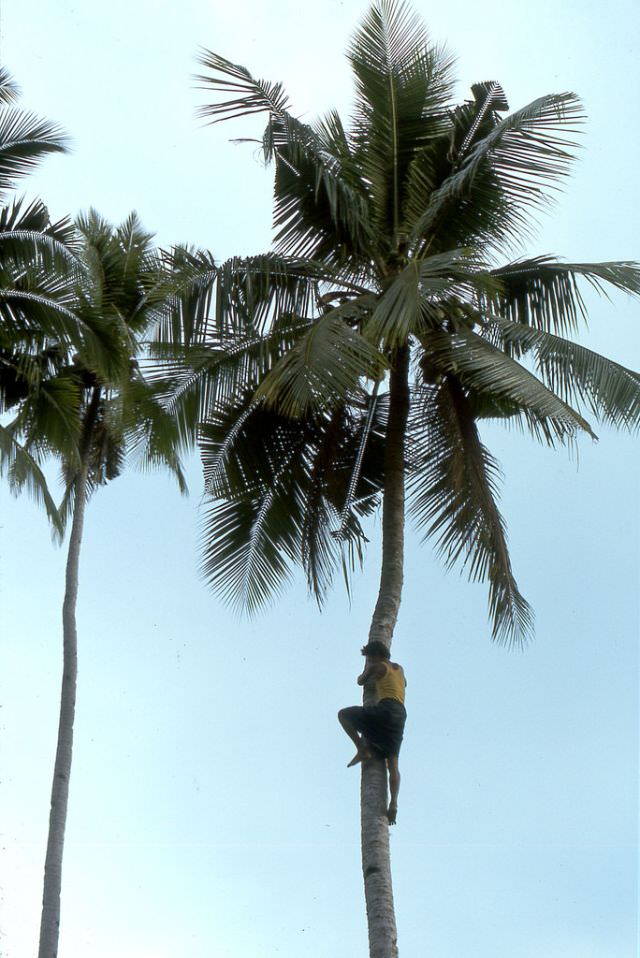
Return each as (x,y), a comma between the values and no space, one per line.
(395,231)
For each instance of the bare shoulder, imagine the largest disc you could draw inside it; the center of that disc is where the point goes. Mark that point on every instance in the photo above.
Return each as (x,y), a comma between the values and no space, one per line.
(398,668)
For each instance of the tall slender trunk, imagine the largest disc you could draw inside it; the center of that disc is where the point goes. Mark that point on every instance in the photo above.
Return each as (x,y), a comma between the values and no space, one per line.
(376,861)
(50,918)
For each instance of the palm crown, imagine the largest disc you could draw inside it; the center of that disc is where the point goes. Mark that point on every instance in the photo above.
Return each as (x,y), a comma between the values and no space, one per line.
(90,403)
(37,266)
(390,240)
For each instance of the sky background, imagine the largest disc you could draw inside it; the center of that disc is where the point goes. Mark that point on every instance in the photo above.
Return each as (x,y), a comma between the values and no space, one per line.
(211,813)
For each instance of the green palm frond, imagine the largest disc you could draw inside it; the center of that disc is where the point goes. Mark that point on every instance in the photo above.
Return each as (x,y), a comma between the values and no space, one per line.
(324,366)
(28,313)
(398,312)
(316,182)
(277,488)
(453,494)
(577,374)
(248,95)
(511,169)
(248,556)
(488,99)
(27,235)
(368,425)
(200,377)
(125,275)
(24,141)
(193,275)
(24,472)
(320,203)
(38,271)
(320,548)
(151,434)
(403,86)
(253,527)
(545,293)
(343,477)
(250,292)
(389,37)
(485,369)
(47,421)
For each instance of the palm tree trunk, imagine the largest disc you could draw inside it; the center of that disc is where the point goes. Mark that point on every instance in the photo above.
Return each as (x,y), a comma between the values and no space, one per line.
(376,861)
(50,918)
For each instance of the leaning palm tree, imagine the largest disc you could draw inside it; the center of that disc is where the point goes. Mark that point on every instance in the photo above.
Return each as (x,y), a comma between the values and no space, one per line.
(123,290)
(354,365)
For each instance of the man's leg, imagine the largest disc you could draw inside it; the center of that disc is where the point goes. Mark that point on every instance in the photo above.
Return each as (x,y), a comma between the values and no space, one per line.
(347,718)
(394,788)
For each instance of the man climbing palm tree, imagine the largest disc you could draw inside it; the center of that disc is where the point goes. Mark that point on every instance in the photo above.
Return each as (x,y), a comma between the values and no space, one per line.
(355,365)
(376,729)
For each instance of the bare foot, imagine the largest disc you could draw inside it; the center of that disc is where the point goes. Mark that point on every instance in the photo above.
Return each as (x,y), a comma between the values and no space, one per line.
(361,756)
(392,813)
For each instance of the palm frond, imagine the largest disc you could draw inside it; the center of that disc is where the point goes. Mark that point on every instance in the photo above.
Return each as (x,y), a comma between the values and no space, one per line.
(24,141)
(324,461)
(511,168)
(24,472)
(544,293)
(28,239)
(356,472)
(403,85)
(324,366)
(276,489)
(9,91)
(320,200)
(248,95)
(252,529)
(198,378)
(344,473)
(489,97)
(151,434)
(193,275)
(389,36)
(250,292)
(577,374)
(453,498)
(485,369)
(46,422)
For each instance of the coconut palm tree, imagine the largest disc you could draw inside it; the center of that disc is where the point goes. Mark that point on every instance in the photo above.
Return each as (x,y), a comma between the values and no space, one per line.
(122,291)
(354,365)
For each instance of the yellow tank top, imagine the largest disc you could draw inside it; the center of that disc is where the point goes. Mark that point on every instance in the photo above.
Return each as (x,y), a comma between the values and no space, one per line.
(392,683)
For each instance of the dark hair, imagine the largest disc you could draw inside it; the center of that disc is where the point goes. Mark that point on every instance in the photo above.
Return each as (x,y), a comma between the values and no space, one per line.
(376,650)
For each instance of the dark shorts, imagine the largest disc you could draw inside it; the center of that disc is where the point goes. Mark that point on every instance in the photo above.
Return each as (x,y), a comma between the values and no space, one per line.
(382,725)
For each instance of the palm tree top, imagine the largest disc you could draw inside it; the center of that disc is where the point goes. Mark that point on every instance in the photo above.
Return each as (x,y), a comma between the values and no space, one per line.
(393,232)
(395,182)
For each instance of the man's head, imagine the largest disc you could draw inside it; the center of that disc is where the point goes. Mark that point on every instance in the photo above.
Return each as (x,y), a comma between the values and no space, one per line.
(375,650)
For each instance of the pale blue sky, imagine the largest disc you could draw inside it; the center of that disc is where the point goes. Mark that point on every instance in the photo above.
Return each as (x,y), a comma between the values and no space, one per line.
(211,812)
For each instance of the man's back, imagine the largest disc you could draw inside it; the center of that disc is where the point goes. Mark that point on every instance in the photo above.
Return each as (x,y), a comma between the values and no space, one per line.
(392,683)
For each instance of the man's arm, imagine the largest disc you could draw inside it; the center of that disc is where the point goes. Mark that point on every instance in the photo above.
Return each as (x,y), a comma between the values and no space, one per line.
(374,670)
